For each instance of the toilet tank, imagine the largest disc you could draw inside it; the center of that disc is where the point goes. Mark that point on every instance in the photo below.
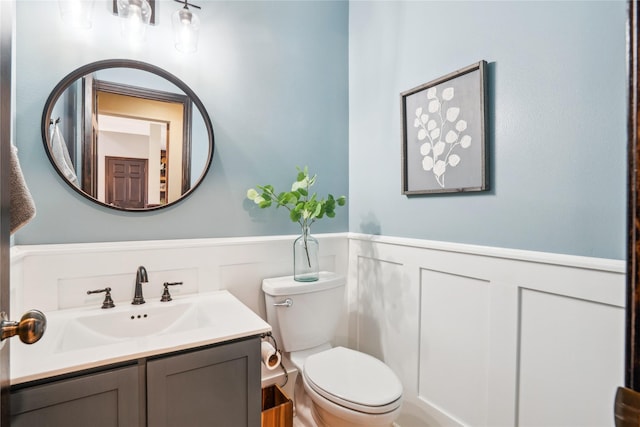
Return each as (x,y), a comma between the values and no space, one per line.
(313,315)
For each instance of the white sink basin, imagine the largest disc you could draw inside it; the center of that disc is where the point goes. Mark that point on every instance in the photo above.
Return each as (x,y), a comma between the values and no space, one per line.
(132,321)
(140,321)
(88,337)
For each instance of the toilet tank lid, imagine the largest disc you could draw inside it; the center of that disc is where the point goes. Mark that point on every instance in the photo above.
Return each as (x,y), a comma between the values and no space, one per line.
(278,286)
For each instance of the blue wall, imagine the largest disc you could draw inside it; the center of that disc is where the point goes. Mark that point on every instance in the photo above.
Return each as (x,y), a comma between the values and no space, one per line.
(557,134)
(273,77)
(318,83)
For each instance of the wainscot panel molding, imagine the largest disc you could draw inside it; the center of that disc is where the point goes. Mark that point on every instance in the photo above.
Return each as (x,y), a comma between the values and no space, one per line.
(479,336)
(54,277)
(489,336)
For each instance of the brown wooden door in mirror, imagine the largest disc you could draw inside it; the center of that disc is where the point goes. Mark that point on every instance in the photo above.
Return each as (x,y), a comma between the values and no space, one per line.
(126,182)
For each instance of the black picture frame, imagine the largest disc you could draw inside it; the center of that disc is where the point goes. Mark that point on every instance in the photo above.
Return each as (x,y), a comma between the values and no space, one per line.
(444,134)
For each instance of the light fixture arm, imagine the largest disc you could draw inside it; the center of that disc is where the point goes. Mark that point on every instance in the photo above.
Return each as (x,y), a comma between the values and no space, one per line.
(187,4)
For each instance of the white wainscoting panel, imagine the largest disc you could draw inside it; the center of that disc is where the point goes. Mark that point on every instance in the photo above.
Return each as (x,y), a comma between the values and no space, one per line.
(564,360)
(478,336)
(454,344)
(53,277)
(489,336)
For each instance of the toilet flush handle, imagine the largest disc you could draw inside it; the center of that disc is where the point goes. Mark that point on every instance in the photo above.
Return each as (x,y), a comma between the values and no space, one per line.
(286,303)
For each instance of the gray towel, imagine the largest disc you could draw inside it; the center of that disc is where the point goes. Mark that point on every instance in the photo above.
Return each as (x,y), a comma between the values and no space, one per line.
(21,208)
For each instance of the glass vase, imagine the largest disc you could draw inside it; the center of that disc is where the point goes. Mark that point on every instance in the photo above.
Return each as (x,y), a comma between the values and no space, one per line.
(305,257)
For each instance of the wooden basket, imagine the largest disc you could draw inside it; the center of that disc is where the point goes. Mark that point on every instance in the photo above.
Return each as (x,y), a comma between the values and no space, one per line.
(277,408)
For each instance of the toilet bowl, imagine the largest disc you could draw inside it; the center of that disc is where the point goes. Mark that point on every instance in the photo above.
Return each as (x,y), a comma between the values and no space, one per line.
(348,387)
(336,386)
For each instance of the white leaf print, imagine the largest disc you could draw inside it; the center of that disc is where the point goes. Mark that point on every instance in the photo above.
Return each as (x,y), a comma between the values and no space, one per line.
(452,114)
(438,148)
(439,168)
(447,94)
(465,141)
(440,131)
(451,137)
(427,163)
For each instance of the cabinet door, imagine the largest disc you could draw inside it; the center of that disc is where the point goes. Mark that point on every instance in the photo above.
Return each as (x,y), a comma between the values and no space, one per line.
(104,399)
(217,386)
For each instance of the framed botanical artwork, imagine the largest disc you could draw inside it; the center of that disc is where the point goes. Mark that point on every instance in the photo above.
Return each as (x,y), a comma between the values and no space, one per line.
(444,127)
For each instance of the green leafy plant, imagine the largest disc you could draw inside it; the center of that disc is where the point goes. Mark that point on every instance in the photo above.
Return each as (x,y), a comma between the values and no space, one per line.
(304,207)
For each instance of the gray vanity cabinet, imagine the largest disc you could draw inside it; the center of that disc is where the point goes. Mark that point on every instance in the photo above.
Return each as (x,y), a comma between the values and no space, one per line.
(213,386)
(105,399)
(216,386)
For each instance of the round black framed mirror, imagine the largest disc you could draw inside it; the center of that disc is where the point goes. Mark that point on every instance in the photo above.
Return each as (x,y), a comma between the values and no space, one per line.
(125,134)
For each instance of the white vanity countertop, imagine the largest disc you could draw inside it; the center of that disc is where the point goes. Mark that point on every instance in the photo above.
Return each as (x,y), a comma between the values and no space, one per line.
(83,338)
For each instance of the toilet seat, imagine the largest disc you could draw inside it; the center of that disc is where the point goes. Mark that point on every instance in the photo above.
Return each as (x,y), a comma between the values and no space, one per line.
(353,380)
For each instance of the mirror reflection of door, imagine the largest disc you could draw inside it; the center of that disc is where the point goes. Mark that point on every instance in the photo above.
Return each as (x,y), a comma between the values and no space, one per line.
(125,138)
(127,123)
(126,182)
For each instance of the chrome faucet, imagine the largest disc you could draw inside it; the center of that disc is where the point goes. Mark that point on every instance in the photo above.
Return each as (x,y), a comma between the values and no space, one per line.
(141,277)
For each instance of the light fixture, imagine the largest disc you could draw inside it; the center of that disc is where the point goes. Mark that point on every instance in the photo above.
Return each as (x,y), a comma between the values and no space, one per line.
(76,13)
(186,26)
(136,16)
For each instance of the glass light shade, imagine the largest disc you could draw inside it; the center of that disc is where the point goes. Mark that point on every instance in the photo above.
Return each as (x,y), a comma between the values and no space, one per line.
(136,16)
(77,13)
(186,26)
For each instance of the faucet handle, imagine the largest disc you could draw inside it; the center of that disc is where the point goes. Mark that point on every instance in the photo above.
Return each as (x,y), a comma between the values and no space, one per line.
(108,302)
(166,296)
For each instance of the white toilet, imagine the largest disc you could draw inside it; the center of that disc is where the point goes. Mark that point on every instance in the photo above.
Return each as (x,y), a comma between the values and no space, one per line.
(340,387)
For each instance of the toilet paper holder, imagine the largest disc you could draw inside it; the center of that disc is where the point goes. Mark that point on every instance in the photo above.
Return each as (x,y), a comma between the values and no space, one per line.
(278,353)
